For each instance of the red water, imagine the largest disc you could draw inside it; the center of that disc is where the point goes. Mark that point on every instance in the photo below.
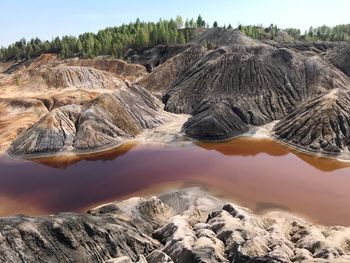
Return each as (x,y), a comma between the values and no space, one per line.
(260,174)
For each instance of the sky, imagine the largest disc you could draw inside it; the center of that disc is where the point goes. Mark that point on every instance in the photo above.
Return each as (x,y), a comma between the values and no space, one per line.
(47,18)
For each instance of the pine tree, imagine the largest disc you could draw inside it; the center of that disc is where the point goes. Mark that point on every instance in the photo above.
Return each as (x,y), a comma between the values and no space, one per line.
(180,38)
(179,22)
(187,23)
(200,21)
(215,24)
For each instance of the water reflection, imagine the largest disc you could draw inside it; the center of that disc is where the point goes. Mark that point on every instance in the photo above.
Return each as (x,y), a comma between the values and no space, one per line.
(63,161)
(245,146)
(260,174)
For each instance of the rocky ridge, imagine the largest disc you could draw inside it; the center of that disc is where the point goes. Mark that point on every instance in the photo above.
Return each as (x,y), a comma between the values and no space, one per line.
(187,225)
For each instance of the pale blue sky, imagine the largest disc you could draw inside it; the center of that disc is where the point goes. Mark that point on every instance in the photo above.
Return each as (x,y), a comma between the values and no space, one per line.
(46,19)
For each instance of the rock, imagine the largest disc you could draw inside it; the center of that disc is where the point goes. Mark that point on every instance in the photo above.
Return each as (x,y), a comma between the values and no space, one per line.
(70,237)
(126,259)
(157,256)
(147,214)
(188,226)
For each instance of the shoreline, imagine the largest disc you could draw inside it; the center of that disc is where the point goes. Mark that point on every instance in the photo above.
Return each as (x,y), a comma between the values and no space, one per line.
(259,132)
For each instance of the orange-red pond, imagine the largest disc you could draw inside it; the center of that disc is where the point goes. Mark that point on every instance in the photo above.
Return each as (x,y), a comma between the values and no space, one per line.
(257,173)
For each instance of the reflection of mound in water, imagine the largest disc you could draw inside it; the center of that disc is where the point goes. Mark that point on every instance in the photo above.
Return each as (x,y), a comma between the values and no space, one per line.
(247,146)
(65,160)
(241,146)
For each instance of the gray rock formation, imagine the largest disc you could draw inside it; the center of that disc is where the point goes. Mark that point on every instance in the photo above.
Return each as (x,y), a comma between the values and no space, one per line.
(70,237)
(340,57)
(155,56)
(219,36)
(162,77)
(104,122)
(181,226)
(52,133)
(229,89)
(321,124)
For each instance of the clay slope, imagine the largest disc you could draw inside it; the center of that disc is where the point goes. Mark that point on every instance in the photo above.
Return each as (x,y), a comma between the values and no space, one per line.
(80,77)
(225,37)
(340,57)
(320,125)
(104,122)
(160,79)
(181,226)
(119,67)
(230,89)
(153,57)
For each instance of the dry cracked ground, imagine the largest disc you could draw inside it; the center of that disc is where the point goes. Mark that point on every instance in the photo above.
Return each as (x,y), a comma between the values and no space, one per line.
(53,106)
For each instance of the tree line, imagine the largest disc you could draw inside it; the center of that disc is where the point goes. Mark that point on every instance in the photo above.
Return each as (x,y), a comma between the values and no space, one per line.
(321,33)
(115,41)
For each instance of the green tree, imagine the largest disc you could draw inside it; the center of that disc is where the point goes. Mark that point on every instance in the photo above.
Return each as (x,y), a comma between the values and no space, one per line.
(179,22)
(215,24)
(180,38)
(200,21)
(192,24)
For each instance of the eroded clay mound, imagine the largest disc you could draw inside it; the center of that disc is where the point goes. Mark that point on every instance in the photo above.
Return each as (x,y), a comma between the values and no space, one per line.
(181,226)
(116,66)
(157,55)
(52,133)
(229,89)
(80,77)
(340,57)
(70,237)
(320,125)
(160,79)
(105,121)
(306,47)
(225,37)
(113,118)
(217,120)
